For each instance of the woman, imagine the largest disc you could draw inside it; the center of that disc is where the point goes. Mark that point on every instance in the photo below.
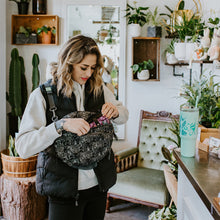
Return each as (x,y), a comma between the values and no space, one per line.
(76,86)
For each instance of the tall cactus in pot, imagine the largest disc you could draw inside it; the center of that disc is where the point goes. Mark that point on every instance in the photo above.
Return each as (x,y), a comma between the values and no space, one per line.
(35,72)
(14,95)
(17,95)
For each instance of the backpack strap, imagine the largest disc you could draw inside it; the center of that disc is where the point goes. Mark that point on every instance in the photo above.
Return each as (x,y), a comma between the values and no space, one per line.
(52,106)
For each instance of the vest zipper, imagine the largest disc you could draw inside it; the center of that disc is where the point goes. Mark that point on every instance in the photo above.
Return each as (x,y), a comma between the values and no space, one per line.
(76,199)
(109,154)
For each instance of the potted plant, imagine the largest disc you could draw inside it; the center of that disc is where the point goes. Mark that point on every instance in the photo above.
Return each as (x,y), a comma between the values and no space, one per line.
(155,29)
(25,36)
(188,32)
(168,20)
(169,53)
(46,32)
(15,166)
(17,95)
(112,31)
(137,17)
(141,70)
(213,24)
(22,6)
(166,213)
(103,33)
(206,93)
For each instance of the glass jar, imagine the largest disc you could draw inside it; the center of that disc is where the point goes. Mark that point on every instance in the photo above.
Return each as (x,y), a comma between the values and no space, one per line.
(39,6)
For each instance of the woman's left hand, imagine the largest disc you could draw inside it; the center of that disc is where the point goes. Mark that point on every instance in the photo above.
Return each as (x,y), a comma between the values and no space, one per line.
(109,110)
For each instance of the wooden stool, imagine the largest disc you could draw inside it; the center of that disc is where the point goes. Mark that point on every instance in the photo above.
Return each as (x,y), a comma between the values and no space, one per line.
(20,200)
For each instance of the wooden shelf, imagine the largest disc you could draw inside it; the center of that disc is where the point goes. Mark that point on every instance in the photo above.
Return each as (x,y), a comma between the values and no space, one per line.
(35,21)
(184,63)
(145,48)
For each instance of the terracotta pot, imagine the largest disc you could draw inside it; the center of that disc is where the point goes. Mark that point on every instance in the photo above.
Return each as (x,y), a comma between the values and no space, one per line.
(103,35)
(46,37)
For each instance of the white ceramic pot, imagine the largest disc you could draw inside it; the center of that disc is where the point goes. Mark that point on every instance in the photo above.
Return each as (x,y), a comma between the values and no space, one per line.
(190,47)
(143,75)
(134,30)
(171,59)
(180,51)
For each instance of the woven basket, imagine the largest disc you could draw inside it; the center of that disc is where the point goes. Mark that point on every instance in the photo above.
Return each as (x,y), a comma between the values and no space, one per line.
(18,167)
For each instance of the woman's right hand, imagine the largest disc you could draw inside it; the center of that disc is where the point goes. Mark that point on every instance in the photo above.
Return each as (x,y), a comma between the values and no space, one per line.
(76,125)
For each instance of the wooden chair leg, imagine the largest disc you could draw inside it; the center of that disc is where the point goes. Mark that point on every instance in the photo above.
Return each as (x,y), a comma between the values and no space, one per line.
(108,203)
(171,203)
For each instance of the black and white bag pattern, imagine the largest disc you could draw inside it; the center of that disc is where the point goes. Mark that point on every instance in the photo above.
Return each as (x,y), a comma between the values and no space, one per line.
(84,152)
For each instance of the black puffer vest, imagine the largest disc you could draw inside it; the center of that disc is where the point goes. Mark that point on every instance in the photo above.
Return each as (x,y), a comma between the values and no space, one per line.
(55,178)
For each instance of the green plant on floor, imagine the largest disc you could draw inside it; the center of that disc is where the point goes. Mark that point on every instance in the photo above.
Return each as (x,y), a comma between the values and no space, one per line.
(168,153)
(35,72)
(175,129)
(145,65)
(170,160)
(137,15)
(166,213)
(207,94)
(11,147)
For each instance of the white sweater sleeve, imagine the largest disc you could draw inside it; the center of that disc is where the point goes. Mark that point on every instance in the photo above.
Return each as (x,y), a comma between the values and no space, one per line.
(123,112)
(34,136)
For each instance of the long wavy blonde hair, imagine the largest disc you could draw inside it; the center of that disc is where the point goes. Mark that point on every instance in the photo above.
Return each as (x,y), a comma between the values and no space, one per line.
(73,52)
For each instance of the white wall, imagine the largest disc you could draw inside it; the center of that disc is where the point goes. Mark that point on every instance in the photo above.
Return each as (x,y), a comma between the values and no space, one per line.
(3,75)
(151,96)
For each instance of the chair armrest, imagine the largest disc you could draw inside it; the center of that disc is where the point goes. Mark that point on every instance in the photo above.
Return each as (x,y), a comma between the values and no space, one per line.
(126,159)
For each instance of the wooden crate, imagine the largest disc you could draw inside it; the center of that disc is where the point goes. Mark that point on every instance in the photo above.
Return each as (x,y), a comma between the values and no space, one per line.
(35,21)
(145,48)
(206,133)
(209,132)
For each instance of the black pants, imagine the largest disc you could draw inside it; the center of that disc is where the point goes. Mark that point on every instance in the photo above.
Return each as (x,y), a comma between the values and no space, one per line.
(91,206)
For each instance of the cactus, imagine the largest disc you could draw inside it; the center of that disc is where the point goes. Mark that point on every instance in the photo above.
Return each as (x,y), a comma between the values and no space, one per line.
(17,95)
(14,96)
(35,72)
(24,93)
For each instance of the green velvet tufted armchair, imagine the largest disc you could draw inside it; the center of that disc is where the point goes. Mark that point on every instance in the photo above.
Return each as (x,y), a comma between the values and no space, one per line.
(140,177)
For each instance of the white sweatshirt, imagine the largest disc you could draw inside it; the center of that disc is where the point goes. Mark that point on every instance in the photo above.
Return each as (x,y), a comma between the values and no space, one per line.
(34,136)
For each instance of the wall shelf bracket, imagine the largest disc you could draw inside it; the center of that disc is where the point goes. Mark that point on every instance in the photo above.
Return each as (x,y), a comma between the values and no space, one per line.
(177,74)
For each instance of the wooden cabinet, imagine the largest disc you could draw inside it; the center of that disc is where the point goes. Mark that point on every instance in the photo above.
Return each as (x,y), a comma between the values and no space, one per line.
(145,48)
(34,22)
(198,179)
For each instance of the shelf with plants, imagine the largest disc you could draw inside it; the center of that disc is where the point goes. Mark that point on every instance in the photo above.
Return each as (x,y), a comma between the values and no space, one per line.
(32,23)
(144,49)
